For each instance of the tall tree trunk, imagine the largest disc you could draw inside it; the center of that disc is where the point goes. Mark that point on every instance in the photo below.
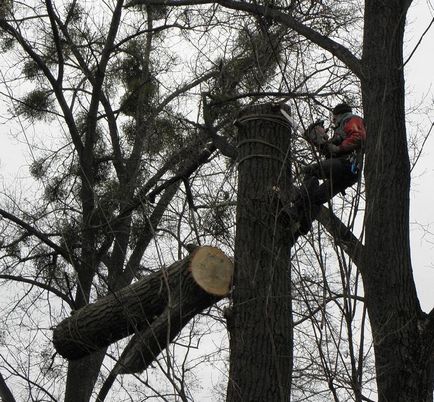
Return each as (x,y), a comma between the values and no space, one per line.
(260,322)
(402,362)
(5,392)
(82,376)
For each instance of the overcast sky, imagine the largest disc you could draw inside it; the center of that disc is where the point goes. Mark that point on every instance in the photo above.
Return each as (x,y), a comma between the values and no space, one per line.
(419,83)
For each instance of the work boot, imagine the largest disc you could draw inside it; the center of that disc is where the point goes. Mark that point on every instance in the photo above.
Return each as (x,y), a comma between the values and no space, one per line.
(307,218)
(304,194)
(303,210)
(290,217)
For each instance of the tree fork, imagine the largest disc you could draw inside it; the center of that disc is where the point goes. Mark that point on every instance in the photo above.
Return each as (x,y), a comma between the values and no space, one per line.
(185,288)
(260,322)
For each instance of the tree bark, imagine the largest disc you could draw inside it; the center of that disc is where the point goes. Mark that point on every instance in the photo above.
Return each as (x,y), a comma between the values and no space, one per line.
(185,288)
(260,324)
(5,392)
(84,372)
(400,343)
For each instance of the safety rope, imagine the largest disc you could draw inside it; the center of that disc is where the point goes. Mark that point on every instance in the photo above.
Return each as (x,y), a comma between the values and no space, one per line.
(283,120)
(261,156)
(267,117)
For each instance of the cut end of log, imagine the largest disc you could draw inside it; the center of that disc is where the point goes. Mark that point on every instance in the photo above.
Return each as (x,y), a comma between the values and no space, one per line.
(212,270)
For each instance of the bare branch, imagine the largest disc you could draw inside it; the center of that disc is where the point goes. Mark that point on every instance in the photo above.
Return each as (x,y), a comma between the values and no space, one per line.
(41,285)
(342,235)
(419,42)
(56,37)
(69,119)
(335,48)
(41,236)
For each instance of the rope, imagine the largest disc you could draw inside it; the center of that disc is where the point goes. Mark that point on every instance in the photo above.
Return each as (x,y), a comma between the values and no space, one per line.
(267,117)
(283,120)
(261,156)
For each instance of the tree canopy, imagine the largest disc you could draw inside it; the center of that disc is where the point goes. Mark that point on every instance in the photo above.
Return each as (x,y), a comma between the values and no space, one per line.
(131,115)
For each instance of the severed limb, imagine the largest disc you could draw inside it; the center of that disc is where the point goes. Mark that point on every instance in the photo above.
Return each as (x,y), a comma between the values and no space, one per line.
(178,293)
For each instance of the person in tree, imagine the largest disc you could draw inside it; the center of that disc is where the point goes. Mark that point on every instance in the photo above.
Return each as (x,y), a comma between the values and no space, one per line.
(340,168)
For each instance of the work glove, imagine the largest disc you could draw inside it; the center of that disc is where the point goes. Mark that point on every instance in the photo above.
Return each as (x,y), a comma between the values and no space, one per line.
(316,134)
(337,139)
(331,149)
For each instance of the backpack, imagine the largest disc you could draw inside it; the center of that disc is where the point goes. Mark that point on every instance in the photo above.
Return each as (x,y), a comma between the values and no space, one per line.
(339,133)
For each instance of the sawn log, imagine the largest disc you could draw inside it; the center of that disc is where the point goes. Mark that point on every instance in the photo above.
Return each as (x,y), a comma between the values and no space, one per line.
(174,294)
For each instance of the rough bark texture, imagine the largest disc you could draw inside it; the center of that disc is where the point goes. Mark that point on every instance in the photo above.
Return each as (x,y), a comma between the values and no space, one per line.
(260,321)
(400,343)
(5,392)
(171,293)
(84,371)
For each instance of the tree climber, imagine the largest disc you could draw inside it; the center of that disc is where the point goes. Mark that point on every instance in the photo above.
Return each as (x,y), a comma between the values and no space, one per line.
(339,170)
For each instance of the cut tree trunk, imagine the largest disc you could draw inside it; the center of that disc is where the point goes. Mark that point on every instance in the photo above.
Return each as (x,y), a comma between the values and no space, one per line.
(260,324)
(177,293)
